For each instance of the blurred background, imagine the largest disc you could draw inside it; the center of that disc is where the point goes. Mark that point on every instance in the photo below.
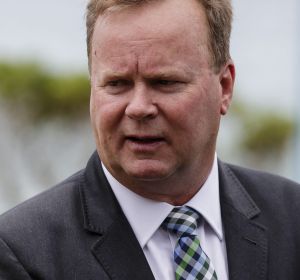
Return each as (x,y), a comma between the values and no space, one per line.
(45,134)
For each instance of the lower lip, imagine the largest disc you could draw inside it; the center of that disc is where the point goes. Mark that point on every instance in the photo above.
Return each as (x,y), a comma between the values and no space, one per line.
(144,146)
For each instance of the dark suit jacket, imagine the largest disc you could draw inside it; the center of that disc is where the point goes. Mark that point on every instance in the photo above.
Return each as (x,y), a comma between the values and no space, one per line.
(77,230)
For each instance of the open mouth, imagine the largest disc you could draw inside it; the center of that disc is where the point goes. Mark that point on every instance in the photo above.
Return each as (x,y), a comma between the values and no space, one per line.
(145,140)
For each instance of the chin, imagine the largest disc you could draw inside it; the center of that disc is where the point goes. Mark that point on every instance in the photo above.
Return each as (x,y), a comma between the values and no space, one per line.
(148,173)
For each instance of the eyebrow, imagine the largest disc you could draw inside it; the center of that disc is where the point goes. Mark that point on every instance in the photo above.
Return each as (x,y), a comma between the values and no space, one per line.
(108,74)
(163,73)
(170,73)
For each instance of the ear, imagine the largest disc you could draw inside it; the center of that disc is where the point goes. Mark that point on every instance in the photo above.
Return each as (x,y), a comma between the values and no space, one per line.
(227,77)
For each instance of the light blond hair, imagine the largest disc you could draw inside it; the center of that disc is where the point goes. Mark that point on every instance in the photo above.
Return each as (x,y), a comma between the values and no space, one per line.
(218,13)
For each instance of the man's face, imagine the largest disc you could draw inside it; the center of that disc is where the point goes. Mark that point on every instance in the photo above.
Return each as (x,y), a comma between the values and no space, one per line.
(155,102)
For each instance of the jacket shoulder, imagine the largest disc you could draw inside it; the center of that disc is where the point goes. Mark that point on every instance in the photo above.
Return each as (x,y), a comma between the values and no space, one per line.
(260,178)
(269,191)
(45,209)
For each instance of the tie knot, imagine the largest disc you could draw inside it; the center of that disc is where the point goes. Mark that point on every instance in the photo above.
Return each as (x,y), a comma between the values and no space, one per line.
(181,221)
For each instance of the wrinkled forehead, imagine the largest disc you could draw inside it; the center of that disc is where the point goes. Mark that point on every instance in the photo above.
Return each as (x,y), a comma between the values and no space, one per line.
(153,36)
(104,6)
(157,19)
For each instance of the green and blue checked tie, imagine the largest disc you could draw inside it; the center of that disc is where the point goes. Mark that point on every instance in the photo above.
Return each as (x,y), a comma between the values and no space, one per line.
(190,260)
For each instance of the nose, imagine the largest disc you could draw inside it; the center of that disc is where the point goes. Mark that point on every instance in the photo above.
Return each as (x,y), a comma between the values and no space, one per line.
(141,105)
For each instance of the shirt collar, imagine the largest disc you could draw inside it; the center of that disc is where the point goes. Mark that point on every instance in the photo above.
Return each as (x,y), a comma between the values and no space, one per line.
(207,201)
(145,215)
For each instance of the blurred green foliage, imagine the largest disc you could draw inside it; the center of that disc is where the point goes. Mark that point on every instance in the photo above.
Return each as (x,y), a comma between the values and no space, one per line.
(268,134)
(28,87)
(263,132)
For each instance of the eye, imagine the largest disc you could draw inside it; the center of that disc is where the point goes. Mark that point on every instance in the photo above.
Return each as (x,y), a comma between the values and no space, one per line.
(168,85)
(117,83)
(117,86)
(165,82)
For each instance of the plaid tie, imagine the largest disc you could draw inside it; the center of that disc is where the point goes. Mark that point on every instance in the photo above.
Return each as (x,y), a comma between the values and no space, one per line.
(190,260)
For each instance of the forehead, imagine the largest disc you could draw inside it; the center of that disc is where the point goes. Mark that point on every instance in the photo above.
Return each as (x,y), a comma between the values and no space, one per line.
(171,18)
(162,29)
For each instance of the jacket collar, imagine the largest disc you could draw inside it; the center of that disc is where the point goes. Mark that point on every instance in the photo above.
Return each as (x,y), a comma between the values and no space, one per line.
(246,238)
(116,247)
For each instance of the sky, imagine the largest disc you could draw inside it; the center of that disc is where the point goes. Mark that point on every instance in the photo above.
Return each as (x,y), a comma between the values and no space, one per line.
(265,47)
(264,43)
(48,31)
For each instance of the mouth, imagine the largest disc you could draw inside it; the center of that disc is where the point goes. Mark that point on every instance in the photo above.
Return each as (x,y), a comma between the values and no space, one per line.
(145,140)
(145,144)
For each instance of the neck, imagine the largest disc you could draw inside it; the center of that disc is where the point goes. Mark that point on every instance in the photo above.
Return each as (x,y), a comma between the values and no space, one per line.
(176,190)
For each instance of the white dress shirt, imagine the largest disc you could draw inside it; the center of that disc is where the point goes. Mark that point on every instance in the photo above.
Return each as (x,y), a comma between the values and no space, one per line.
(146,216)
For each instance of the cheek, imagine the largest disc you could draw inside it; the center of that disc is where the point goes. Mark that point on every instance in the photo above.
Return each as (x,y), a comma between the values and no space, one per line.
(197,115)
(92,110)
(210,104)
(184,120)
(102,117)
(96,114)
(106,114)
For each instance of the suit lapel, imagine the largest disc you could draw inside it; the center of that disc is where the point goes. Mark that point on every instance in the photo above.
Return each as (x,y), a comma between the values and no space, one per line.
(246,239)
(120,254)
(116,247)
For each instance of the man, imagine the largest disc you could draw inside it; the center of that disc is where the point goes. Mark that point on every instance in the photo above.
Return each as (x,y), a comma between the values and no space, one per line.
(154,202)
